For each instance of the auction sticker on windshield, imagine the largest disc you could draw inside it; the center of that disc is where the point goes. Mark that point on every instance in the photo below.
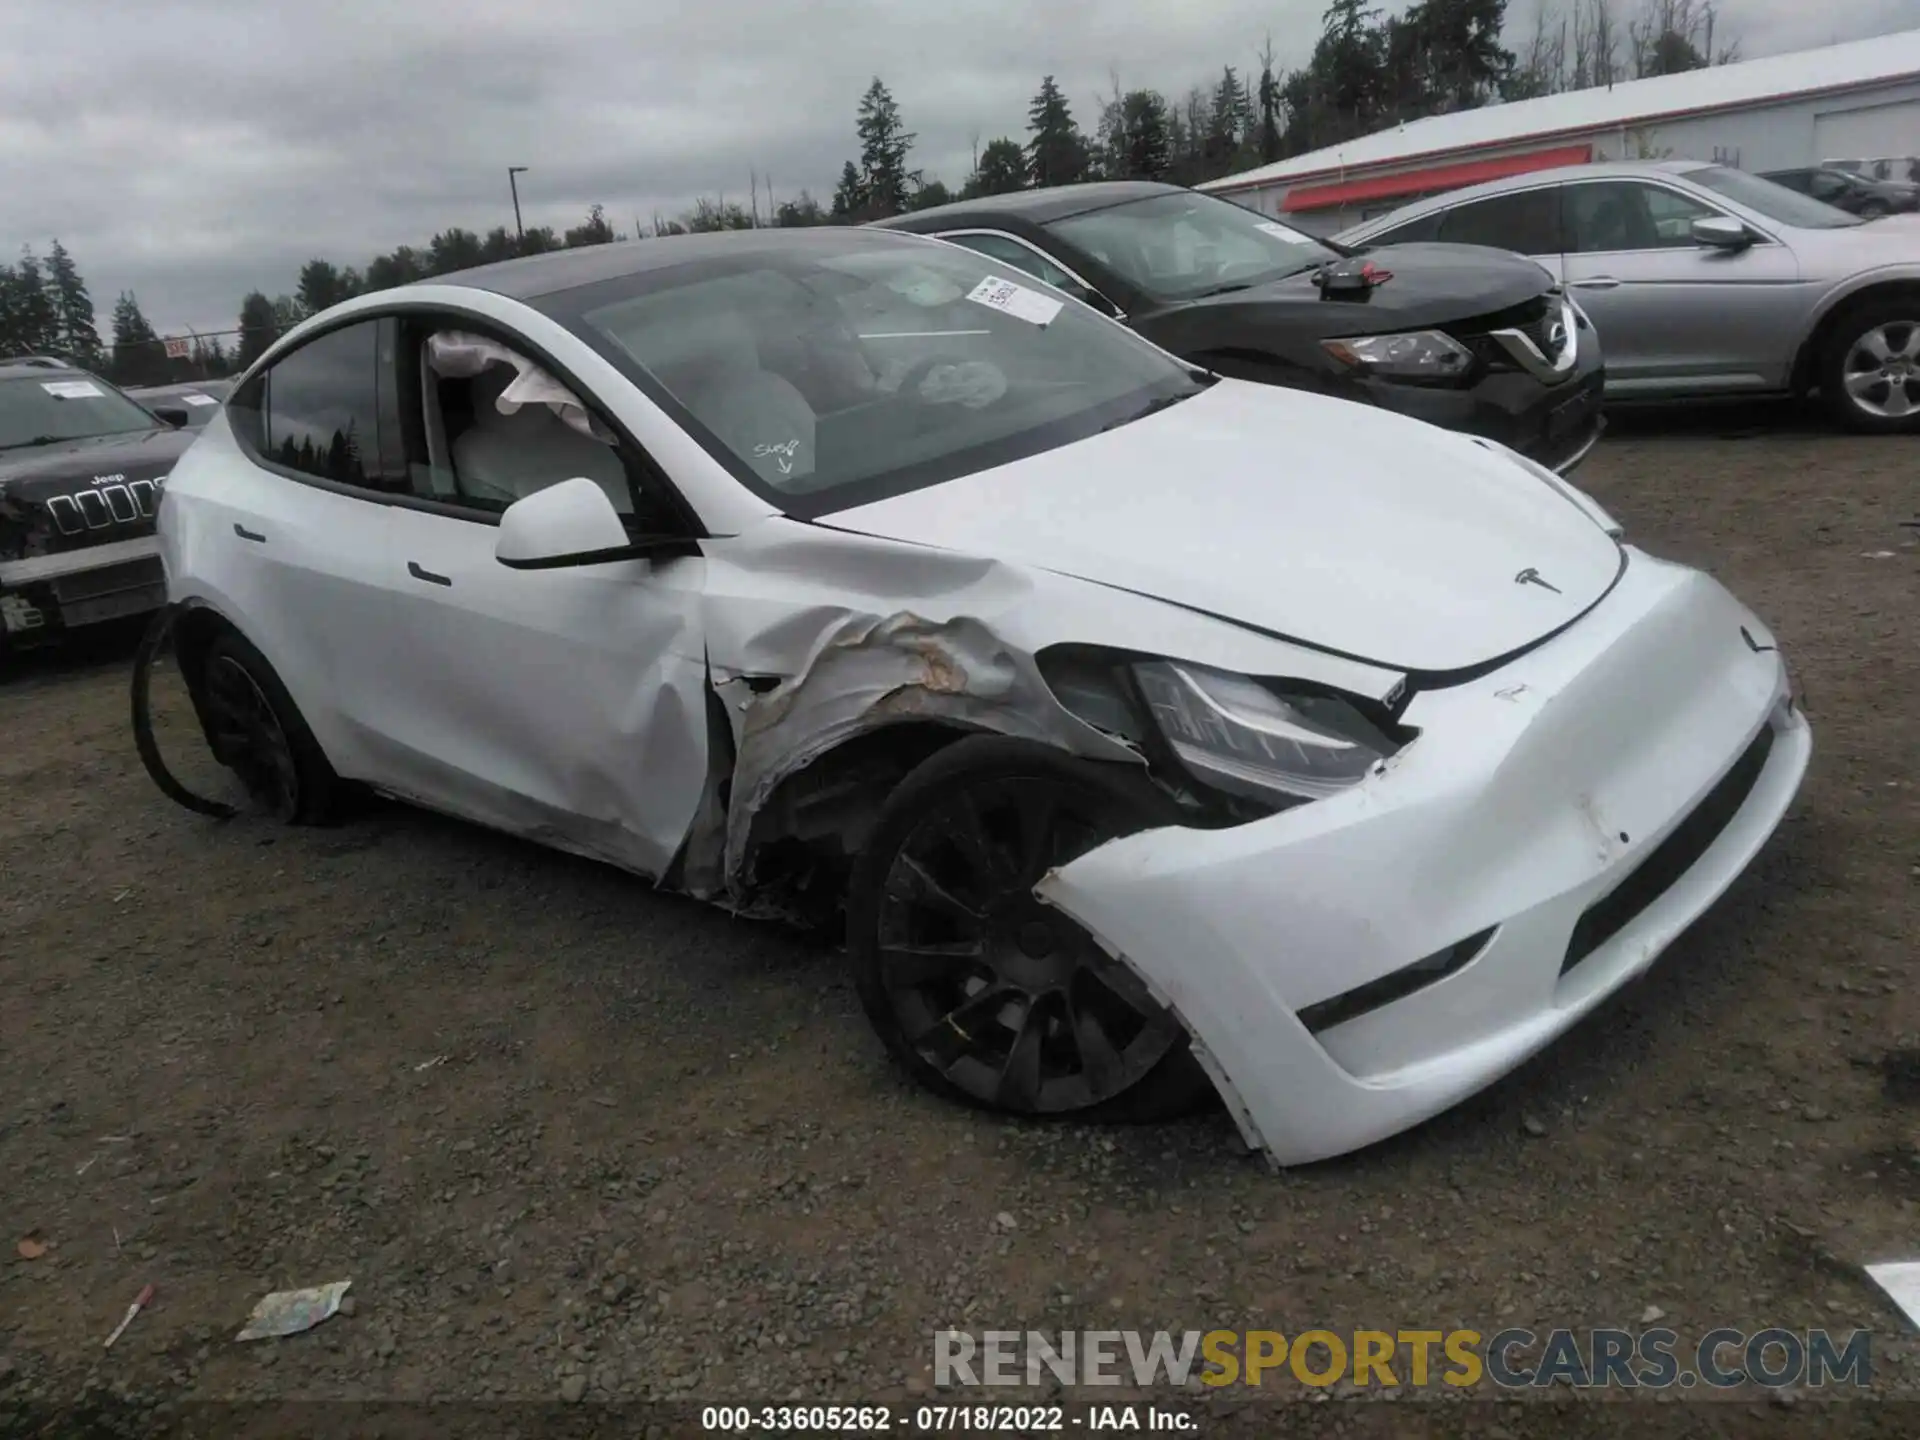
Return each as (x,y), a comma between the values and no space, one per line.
(199,400)
(1014,300)
(1285,232)
(71,389)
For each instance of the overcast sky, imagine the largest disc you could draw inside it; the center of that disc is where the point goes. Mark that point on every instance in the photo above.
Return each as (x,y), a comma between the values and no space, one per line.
(192,150)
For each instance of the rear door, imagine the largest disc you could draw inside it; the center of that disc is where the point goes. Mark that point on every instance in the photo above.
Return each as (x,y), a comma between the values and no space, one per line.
(1675,316)
(296,539)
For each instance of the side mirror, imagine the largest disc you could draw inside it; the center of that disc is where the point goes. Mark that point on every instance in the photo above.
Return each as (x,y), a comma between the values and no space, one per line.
(572,523)
(1720,232)
(174,415)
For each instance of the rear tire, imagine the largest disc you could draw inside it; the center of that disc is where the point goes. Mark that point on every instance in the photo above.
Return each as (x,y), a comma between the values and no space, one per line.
(1870,373)
(257,731)
(984,994)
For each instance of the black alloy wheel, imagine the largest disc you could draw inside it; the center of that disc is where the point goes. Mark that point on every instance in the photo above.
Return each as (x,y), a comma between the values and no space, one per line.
(255,730)
(985,993)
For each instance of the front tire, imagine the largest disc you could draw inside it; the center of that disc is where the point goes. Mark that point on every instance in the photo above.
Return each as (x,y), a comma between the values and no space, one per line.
(256,730)
(1870,375)
(983,993)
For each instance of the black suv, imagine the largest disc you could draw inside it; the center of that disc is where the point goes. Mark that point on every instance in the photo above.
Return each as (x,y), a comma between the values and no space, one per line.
(1856,194)
(81,469)
(1471,339)
(198,401)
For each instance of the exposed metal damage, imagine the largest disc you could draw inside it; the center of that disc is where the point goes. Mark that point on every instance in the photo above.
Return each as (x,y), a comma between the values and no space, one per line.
(869,675)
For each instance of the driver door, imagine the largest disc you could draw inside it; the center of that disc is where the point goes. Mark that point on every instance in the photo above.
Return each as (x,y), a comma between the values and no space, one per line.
(568,705)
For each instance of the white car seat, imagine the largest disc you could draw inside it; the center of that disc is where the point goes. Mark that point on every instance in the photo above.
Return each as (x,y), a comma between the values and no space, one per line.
(509,457)
(712,367)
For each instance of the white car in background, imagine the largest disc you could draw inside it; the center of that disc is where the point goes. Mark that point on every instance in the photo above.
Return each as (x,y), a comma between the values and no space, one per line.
(1704,281)
(1158,731)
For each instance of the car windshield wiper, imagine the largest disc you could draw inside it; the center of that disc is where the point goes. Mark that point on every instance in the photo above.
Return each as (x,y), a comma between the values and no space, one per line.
(1234,285)
(36,440)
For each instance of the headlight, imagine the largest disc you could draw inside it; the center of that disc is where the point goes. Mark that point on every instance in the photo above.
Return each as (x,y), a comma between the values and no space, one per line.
(1241,737)
(1420,355)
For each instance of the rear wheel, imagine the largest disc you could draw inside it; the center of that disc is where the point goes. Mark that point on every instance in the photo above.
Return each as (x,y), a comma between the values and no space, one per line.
(1871,375)
(984,993)
(257,731)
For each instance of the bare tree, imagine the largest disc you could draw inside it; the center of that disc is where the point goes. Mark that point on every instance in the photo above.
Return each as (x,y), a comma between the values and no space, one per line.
(1596,45)
(1669,36)
(1540,67)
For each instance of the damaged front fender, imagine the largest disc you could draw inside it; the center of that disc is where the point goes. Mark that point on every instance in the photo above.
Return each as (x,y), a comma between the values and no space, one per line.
(867,673)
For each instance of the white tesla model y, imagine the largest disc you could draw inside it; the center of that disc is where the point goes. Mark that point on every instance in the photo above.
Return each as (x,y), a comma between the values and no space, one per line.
(1157,731)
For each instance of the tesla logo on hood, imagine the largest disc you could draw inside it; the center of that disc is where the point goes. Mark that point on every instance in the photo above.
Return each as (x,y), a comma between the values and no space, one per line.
(1531,576)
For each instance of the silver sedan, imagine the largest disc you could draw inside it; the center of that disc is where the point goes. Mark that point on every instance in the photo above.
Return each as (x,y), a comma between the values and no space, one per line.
(1703,280)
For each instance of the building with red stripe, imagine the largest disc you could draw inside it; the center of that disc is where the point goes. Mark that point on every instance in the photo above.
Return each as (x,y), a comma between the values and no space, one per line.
(1854,104)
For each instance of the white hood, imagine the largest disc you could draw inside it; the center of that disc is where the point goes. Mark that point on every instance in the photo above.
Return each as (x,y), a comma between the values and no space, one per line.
(1333,523)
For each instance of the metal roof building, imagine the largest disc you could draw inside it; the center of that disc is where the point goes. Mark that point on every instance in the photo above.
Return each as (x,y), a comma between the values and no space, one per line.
(1854,102)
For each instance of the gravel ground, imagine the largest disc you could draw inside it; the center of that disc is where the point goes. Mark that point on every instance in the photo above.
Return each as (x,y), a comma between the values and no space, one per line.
(570,1139)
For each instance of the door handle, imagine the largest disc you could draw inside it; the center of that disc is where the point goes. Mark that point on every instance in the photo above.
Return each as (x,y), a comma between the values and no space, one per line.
(413,569)
(246,534)
(1598,282)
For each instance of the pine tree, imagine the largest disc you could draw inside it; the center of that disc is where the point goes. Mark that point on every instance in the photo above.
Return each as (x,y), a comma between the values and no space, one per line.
(35,321)
(79,337)
(1149,135)
(884,145)
(1057,153)
(1268,106)
(1001,171)
(931,194)
(849,196)
(138,356)
(453,249)
(259,328)
(497,245)
(321,286)
(1226,123)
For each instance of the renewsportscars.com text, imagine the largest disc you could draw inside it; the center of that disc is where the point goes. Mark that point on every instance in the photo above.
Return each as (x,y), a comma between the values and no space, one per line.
(1720,1359)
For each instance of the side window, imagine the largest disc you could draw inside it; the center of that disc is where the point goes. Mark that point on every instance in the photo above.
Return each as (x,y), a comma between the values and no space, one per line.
(1427,227)
(1012,252)
(1527,222)
(1825,186)
(473,444)
(1629,215)
(318,411)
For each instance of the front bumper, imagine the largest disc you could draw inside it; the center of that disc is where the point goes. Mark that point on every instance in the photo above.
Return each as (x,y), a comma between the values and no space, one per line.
(1556,425)
(41,595)
(1531,796)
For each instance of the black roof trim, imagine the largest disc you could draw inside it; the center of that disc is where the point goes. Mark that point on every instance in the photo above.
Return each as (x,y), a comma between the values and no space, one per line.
(1039,206)
(532,276)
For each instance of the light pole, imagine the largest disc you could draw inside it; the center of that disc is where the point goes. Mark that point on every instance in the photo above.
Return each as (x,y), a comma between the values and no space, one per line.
(513,185)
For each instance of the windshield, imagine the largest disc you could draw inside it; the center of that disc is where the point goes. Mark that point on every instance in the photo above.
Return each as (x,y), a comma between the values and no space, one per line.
(64,405)
(1183,245)
(1776,202)
(836,370)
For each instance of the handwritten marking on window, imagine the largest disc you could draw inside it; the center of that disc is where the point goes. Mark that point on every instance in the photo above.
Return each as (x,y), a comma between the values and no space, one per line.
(782,454)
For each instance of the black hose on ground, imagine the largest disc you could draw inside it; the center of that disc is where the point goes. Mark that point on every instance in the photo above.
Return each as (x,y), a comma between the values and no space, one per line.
(143,740)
